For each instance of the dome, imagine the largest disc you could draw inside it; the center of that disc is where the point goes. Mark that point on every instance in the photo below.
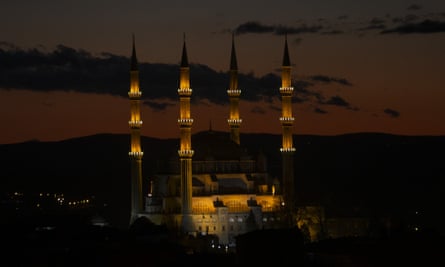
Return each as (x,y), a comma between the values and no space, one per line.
(216,145)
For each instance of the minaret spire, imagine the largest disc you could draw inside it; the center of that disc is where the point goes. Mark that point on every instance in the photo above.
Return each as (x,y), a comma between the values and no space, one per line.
(287,149)
(184,59)
(135,124)
(185,151)
(134,61)
(233,62)
(286,60)
(234,120)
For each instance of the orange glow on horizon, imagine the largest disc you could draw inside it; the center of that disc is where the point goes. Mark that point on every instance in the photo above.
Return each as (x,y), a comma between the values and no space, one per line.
(108,114)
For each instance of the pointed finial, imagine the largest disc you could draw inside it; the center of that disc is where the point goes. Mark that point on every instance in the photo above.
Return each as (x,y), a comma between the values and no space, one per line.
(286,60)
(184,60)
(233,61)
(134,61)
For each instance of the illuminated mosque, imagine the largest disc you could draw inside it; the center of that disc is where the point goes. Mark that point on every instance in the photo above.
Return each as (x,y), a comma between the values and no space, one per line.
(218,189)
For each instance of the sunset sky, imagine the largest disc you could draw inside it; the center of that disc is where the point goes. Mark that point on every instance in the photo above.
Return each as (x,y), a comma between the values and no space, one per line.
(358,66)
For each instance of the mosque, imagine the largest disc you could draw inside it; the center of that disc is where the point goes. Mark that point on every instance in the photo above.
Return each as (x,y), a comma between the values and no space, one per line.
(218,188)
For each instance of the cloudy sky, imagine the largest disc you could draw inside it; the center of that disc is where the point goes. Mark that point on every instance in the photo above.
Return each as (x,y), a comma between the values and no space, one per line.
(358,66)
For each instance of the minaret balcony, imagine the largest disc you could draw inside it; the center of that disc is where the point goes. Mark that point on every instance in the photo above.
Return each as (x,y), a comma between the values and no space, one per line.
(185,122)
(135,124)
(135,94)
(186,153)
(286,90)
(185,91)
(136,154)
(287,150)
(234,92)
(234,122)
(287,120)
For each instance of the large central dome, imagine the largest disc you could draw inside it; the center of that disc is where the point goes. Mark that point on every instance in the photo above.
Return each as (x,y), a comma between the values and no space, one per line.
(214,145)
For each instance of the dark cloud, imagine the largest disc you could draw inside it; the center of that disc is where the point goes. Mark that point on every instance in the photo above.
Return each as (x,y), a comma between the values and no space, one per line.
(406,19)
(372,27)
(427,26)
(327,79)
(68,69)
(377,21)
(409,23)
(392,113)
(299,99)
(156,105)
(253,27)
(257,27)
(302,93)
(8,45)
(63,69)
(333,32)
(320,111)
(337,101)
(281,30)
(374,24)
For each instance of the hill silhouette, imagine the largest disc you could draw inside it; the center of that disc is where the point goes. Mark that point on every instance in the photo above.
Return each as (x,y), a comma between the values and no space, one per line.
(379,173)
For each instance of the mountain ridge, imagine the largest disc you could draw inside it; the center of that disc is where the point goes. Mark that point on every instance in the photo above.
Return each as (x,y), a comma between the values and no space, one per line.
(376,170)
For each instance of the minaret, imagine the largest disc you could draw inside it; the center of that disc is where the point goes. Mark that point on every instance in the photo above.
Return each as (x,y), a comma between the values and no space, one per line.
(185,150)
(135,124)
(287,149)
(234,93)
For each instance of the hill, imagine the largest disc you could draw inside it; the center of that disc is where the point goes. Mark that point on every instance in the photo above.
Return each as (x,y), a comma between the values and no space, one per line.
(378,172)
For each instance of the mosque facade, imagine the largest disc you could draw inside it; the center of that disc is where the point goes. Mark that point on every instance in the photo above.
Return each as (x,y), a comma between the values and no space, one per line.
(213,186)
